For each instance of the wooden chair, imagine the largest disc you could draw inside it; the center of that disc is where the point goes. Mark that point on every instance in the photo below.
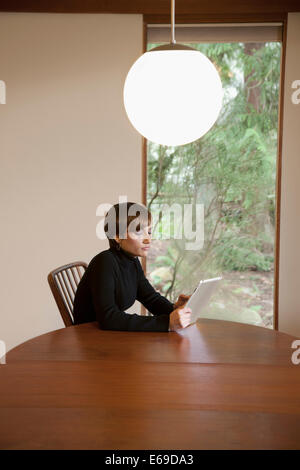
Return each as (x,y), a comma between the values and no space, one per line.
(63,283)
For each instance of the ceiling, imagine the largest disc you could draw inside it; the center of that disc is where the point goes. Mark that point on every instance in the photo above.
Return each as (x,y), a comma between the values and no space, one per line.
(154,7)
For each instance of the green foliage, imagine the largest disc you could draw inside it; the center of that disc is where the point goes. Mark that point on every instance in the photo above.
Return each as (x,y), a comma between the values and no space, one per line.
(242,253)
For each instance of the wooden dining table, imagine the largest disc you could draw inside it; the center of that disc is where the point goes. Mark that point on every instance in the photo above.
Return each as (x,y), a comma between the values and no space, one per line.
(213,385)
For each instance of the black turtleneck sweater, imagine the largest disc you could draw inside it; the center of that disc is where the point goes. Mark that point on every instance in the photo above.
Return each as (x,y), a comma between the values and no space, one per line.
(111,284)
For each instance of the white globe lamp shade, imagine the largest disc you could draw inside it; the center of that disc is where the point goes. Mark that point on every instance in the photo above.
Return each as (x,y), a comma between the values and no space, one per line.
(173,95)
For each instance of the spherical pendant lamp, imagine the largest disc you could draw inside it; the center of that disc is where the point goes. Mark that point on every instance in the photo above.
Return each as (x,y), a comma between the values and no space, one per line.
(173,94)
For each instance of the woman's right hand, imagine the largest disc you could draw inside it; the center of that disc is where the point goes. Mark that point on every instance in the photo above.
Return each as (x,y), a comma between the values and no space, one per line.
(180,318)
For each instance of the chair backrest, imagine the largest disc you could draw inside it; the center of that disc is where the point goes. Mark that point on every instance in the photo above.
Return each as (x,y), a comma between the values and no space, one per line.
(63,282)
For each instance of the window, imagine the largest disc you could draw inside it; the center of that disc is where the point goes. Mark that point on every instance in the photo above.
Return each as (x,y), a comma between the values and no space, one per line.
(228,178)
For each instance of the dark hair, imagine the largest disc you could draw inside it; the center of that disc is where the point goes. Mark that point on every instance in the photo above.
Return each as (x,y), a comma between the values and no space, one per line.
(119,216)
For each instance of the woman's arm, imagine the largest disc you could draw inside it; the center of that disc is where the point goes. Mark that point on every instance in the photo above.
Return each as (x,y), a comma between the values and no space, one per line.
(103,278)
(149,297)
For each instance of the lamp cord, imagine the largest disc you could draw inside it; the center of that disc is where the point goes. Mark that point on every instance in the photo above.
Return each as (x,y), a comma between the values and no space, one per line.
(173,41)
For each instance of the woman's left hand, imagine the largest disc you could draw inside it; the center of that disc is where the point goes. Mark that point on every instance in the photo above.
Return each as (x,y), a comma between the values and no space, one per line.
(181,301)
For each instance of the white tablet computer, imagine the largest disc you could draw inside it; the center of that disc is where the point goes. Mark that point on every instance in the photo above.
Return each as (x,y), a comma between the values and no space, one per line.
(200,298)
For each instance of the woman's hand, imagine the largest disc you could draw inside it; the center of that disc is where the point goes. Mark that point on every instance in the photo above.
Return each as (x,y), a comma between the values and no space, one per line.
(180,318)
(181,301)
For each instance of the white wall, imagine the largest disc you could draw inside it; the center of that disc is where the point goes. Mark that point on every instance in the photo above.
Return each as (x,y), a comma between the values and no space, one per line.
(289,274)
(66,146)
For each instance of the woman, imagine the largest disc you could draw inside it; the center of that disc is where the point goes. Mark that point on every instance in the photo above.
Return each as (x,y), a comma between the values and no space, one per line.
(114,279)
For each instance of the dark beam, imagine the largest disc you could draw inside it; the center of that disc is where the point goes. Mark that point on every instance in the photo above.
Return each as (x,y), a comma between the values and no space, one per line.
(152,7)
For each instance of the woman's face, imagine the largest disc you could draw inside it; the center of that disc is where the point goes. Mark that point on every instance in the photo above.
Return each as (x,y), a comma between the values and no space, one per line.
(138,240)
